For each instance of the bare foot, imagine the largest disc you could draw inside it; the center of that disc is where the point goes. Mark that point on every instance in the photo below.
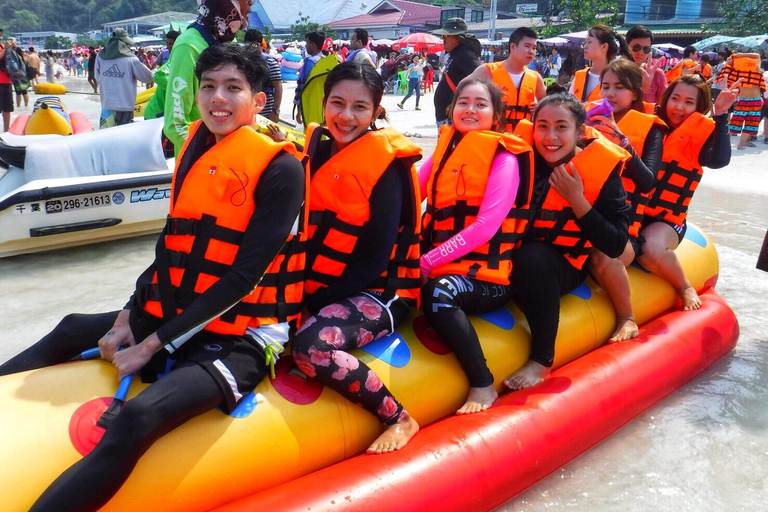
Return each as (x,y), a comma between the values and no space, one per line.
(691,299)
(530,374)
(479,399)
(626,329)
(395,436)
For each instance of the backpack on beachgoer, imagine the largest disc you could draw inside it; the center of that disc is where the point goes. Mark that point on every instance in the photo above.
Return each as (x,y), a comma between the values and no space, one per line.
(473,43)
(14,65)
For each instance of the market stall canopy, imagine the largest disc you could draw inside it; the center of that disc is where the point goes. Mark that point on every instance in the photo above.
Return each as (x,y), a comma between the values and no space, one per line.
(382,42)
(559,41)
(576,37)
(420,42)
(713,42)
(669,47)
(750,43)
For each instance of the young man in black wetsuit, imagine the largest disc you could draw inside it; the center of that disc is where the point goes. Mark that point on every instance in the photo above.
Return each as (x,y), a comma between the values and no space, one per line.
(231,185)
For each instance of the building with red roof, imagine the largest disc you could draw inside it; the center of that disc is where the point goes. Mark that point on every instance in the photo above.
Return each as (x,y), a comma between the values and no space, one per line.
(391,19)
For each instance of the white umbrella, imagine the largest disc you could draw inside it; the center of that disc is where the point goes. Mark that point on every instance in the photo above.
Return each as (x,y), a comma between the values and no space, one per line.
(669,47)
(556,41)
(576,37)
(385,42)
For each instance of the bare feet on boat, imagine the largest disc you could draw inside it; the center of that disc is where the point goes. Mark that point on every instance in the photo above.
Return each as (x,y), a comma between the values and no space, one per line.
(690,298)
(529,375)
(479,399)
(395,436)
(626,329)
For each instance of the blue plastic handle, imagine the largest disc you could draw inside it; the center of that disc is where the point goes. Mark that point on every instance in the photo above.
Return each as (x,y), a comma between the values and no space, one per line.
(91,353)
(122,390)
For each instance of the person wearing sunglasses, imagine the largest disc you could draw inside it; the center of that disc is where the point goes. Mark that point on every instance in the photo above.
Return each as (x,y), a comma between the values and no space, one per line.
(639,40)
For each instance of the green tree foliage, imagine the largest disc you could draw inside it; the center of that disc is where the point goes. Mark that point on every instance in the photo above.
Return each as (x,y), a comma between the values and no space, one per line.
(303,25)
(73,15)
(58,43)
(744,17)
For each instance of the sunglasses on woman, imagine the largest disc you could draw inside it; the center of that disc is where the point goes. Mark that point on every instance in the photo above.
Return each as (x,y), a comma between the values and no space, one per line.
(637,48)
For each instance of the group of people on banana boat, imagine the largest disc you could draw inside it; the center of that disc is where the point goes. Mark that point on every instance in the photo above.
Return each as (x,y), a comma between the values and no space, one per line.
(527,193)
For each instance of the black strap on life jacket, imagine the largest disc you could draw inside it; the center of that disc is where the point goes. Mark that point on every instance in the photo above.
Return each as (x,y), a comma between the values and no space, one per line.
(325,220)
(685,192)
(549,235)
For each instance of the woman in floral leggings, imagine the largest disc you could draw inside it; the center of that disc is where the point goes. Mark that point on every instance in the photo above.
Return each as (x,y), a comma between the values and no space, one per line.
(362,273)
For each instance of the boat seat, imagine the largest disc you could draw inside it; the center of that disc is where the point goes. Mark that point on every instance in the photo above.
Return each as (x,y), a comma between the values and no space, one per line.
(130,148)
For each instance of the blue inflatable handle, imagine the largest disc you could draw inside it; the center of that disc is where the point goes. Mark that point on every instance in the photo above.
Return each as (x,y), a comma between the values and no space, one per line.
(122,389)
(91,353)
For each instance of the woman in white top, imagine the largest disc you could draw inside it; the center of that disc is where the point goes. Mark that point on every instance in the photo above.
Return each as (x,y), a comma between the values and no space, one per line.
(601,47)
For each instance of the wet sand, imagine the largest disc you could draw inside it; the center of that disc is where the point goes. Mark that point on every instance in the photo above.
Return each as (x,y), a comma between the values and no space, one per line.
(703,448)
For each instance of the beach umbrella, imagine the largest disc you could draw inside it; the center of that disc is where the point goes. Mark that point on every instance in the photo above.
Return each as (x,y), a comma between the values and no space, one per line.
(712,42)
(575,37)
(420,42)
(669,47)
(558,42)
(750,42)
(382,42)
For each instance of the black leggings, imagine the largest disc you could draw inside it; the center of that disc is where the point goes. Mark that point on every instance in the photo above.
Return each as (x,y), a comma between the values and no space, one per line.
(186,392)
(446,302)
(540,276)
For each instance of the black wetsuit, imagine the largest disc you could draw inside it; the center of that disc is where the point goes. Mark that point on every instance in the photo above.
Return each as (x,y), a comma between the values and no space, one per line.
(540,272)
(346,317)
(192,387)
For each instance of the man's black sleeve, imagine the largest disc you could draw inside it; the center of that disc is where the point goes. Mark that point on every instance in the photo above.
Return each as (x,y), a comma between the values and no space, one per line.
(279,196)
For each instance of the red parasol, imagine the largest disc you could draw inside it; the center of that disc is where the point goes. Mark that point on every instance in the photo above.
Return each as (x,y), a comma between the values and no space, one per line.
(420,42)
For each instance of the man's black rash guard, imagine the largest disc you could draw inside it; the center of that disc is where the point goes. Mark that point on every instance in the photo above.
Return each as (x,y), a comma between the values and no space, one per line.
(642,169)
(278,196)
(374,247)
(605,225)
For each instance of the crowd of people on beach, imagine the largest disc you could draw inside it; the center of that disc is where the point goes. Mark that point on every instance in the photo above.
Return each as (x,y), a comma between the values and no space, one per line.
(530,190)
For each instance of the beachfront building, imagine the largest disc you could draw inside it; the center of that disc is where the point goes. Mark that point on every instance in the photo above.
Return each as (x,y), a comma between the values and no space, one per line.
(143,25)
(392,19)
(280,15)
(37,39)
(672,21)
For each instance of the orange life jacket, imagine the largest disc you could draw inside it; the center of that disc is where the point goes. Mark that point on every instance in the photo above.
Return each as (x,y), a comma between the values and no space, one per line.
(340,192)
(680,170)
(205,226)
(580,87)
(677,71)
(649,108)
(455,192)
(636,126)
(555,223)
(746,68)
(706,71)
(517,102)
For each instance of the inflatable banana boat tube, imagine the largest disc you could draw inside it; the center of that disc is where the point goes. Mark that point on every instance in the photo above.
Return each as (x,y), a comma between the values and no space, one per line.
(290,427)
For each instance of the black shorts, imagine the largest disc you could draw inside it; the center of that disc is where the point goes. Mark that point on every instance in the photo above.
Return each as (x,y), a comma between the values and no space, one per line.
(680,230)
(236,363)
(31,73)
(6,98)
(637,244)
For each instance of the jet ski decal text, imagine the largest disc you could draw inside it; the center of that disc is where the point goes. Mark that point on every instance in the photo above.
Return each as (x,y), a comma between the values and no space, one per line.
(150,194)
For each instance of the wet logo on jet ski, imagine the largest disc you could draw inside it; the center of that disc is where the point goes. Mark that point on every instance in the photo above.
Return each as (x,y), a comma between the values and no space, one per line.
(118,198)
(150,194)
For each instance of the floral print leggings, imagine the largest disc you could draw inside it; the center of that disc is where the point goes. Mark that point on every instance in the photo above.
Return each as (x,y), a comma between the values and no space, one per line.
(320,348)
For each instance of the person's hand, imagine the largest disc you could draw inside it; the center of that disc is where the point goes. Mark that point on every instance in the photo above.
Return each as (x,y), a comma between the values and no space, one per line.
(274,117)
(275,133)
(120,335)
(133,358)
(567,182)
(299,119)
(608,127)
(648,69)
(727,97)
